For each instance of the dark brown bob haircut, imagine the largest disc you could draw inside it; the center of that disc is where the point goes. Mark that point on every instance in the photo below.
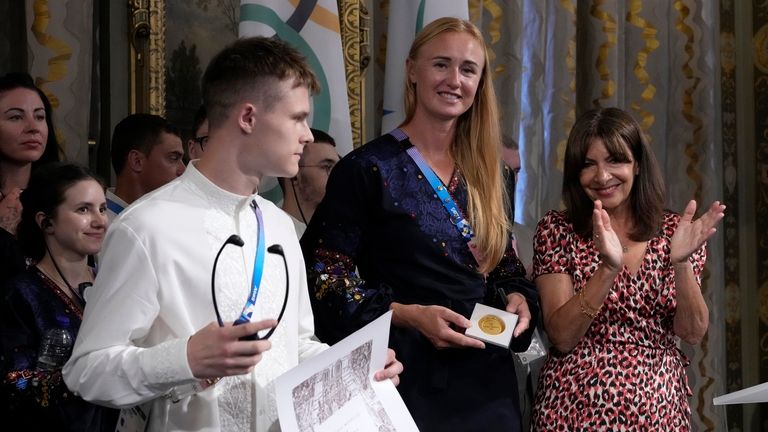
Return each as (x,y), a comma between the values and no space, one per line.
(624,141)
(249,70)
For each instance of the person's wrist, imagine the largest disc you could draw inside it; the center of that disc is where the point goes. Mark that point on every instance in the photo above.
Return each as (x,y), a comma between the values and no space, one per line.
(191,363)
(610,268)
(401,314)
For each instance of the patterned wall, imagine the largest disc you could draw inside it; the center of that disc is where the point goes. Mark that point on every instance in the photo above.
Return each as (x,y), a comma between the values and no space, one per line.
(59,48)
(734,379)
(760,55)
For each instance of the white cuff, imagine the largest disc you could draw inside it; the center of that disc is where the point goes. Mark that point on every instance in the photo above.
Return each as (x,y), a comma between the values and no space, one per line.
(167,363)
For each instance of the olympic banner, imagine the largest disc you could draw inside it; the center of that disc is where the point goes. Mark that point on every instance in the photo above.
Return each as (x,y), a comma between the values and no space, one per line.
(312,27)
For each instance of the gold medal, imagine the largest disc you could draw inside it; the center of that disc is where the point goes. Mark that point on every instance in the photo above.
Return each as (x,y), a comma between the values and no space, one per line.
(491,324)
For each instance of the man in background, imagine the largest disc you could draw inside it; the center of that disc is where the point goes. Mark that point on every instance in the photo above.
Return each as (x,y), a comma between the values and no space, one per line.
(303,193)
(146,154)
(510,154)
(196,144)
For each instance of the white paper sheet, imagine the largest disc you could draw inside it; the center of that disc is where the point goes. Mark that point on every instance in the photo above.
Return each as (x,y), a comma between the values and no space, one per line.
(755,394)
(336,391)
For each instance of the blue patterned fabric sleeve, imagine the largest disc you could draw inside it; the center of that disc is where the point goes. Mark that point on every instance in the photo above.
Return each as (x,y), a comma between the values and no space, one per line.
(27,310)
(342,302)
(40,400)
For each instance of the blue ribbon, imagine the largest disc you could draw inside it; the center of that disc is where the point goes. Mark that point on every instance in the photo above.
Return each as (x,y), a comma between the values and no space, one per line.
(455,216)
(258,268)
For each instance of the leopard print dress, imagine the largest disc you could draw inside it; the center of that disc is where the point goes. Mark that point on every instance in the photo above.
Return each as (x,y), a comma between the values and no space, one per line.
(626,373)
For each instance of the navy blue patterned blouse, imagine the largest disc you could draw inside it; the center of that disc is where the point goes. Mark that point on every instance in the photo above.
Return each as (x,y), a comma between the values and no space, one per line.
(380,236)
(39,400)
(11,258)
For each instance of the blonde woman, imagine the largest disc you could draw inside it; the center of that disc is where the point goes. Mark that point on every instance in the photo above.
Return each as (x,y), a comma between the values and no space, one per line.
(422,213)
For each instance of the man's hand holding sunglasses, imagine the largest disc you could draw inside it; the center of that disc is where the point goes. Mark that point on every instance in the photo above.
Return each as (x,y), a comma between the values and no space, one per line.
(215,352)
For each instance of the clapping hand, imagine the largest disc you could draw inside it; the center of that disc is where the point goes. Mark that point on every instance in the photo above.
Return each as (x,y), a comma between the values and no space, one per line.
(605,238)
(691,234)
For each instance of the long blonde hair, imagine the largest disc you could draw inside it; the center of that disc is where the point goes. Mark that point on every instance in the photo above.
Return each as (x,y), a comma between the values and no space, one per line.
(475,149)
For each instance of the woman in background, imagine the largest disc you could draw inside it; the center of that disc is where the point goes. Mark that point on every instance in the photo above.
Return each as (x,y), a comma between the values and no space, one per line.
(385,213)
(620,284)
(27,140)
(63,222)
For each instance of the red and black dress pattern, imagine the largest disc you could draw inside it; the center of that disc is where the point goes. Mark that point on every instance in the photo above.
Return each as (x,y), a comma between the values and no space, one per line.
(626,373)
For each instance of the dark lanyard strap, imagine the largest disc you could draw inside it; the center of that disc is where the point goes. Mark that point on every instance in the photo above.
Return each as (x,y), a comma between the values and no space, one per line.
(258,268)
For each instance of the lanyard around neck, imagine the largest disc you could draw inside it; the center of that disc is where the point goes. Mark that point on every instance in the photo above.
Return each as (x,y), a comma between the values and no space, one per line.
(454,214)
(456,217)
(258,268)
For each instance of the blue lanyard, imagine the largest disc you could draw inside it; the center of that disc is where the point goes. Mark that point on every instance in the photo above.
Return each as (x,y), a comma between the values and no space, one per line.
(456,217)
(114,207)
(258,268)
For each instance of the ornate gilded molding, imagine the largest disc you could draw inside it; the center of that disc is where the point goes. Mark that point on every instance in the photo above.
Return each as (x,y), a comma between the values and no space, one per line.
(354,20)
(157,57)
(147,52)
(365,32)
(760,89)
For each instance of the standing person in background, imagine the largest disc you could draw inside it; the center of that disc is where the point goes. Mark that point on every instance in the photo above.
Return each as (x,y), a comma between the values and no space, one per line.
(304,192)
(196,144)
(173,347)
(382,214)
(620,284)
(146,154)
(63,222)
(510,154)
(27,140)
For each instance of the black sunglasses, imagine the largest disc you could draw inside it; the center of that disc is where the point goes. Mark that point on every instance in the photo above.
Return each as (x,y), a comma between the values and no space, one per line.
(276,249)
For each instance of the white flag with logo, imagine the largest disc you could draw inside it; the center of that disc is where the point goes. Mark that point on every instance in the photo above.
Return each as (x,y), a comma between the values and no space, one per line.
(313,29)
(406,18)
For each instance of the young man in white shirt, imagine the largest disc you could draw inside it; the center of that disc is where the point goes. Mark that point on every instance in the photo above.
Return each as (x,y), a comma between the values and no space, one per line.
(149,333)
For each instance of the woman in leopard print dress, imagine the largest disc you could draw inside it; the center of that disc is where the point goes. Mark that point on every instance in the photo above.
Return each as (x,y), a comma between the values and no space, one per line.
(619,280)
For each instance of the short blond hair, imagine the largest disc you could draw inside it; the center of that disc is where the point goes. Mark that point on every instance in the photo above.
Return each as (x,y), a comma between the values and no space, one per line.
(250,68)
